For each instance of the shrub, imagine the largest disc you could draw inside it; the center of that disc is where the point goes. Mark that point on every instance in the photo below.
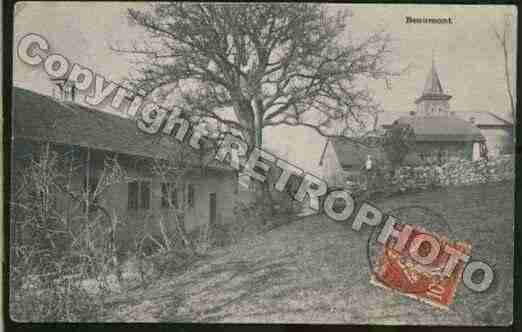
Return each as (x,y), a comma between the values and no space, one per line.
(62,237)
(56,299)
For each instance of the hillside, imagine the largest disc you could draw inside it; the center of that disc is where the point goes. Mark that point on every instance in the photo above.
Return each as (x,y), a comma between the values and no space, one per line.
(315,271)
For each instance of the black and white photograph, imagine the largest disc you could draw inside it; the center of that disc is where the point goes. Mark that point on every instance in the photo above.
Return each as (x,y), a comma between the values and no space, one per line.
(274,163)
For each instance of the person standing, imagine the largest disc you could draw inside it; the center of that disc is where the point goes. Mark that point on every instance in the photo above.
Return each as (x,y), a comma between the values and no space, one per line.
(368,167)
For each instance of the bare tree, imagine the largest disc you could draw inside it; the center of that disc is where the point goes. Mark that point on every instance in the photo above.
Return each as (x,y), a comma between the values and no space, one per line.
(173,170)
(57,243)
(271,64)
(398,141)
(503,36)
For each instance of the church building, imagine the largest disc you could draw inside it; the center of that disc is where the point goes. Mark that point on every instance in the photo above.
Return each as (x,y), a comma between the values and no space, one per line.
(442,134)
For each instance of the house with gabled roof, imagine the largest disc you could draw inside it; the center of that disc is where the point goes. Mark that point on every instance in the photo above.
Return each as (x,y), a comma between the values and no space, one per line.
(88,136)
(342,160)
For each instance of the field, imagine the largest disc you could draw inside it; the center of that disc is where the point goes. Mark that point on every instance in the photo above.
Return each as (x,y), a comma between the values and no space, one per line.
(315,270)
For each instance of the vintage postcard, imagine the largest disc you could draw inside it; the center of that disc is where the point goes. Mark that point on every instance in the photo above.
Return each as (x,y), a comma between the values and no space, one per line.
(262,163)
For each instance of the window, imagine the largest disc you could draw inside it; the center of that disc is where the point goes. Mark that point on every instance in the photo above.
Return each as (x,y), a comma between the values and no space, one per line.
(164,195)
(89,184)
(165,189)
(212,208)
(190,195)
(89,175)
(72,152)
(133,195)
(145,195)
(139,195)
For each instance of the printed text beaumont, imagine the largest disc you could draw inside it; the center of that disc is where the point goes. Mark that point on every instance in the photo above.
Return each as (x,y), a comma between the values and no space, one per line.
(429,20)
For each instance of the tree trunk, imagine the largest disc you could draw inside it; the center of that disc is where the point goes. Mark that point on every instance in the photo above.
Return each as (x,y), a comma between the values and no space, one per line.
(508,83)
(252,118)
(264,187)
(258,127)
(245,115)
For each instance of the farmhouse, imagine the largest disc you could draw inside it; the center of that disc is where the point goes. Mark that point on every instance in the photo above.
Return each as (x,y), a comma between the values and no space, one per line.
(342,160)
(440,135)
(88,136)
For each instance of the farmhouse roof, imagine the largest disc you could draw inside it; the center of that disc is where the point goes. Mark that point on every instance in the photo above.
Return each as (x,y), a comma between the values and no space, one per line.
(352,153)
(480,118)
(442,128)
(42,118)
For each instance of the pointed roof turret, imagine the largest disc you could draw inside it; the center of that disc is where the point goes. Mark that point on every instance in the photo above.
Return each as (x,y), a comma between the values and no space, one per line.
(433,88)
(432,85)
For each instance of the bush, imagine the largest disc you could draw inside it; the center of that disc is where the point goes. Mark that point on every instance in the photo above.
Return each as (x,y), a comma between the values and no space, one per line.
(250,216)
(62,237)
(172,261)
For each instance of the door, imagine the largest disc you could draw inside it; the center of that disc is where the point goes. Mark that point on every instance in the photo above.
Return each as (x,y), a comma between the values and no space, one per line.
(213,208)
(476,151)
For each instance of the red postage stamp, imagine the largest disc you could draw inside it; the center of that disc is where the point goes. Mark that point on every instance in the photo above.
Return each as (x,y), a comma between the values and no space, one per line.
(425,282)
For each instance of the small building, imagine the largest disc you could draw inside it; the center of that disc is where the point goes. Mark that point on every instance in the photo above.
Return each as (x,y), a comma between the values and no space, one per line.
(342,160)
(87,136)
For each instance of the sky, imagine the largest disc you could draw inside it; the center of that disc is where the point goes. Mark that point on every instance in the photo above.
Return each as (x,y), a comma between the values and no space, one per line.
(467,55)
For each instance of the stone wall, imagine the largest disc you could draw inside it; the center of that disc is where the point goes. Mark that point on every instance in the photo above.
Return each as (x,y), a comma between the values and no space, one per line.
(430,153)
(455,173)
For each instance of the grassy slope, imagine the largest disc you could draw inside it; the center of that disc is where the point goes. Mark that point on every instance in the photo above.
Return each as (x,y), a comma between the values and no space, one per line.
(315,271)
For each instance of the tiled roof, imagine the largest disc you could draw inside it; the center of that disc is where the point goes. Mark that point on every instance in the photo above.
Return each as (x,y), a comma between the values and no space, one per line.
(482,118)
(42,118)
(351,153)
(387,118)
(442,128)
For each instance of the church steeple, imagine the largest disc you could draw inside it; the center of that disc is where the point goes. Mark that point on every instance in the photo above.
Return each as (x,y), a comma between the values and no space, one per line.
(432,85)
(433,100)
